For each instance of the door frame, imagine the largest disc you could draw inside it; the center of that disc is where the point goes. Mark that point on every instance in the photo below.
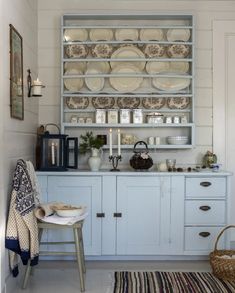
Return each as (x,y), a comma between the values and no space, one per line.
(222,30)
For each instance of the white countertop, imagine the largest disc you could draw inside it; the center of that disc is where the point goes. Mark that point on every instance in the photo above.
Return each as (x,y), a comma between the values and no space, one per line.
(77,172)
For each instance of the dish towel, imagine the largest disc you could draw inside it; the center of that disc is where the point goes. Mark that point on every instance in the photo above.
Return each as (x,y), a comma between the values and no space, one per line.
(22,229)
(55,219)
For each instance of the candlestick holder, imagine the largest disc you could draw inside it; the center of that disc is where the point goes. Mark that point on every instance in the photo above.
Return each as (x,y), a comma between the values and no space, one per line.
(114,160)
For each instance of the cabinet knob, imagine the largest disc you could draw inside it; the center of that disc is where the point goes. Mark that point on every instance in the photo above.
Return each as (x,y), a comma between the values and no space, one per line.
(205,183)
(204,234)
(100,215)
(205,208)
(117,215)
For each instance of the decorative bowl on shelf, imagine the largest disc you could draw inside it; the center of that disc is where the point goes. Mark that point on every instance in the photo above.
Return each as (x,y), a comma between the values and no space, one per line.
(178,140)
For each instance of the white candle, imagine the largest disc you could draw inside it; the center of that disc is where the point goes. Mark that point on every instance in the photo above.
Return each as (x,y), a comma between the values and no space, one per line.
(37,87)
(119,143)
(53,153)
(110,142)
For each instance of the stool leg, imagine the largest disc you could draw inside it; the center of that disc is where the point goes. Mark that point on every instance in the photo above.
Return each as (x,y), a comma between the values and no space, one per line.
(79,260)
(26,275)
(29,269)
(82,249)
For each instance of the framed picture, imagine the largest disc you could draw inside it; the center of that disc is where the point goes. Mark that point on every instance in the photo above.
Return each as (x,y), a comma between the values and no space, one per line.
(16,74)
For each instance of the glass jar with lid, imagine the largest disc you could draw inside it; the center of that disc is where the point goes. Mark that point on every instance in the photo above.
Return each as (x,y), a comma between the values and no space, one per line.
(137,116)
(125,116)
(155,117)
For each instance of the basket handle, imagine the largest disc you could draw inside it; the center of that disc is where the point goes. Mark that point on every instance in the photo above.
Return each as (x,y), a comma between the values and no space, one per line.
(141,142)
(220,234)
(52,124)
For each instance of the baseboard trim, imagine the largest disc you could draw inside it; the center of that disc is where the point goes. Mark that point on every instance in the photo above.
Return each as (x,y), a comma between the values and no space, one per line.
(131,258)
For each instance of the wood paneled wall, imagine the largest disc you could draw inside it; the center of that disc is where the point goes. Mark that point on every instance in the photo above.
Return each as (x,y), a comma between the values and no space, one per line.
(17,138)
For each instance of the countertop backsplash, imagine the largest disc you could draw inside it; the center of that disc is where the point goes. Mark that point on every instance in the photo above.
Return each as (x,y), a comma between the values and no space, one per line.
(184,159)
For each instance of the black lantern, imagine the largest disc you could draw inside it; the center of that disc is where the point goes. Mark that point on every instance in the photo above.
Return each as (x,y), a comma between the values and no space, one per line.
(57,152)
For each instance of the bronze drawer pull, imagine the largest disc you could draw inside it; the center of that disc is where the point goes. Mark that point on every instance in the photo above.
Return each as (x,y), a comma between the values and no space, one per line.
(117,215)
(204,234)
(205,183)
(100,215)
(204,208)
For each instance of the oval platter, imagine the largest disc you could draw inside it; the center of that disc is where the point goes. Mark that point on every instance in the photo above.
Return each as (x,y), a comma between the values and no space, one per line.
(101,34)
(178,51)
(73,84)
(77,102)
(174,35)
(75,35)
(126,84)
(103,102)
(179,103)
(128,52)
(128,102)
(153,103)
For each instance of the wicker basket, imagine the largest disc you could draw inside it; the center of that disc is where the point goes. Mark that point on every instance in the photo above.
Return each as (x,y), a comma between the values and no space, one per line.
(223,268)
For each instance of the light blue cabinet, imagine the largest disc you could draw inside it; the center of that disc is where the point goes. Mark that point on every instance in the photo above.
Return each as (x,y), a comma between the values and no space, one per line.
(78,190)
(206,213)
(142,214)
(145,225)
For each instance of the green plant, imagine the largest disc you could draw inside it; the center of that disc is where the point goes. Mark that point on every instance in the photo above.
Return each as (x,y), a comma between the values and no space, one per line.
(90,141)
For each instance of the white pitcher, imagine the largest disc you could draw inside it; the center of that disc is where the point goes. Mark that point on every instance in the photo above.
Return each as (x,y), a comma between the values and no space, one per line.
(94,161)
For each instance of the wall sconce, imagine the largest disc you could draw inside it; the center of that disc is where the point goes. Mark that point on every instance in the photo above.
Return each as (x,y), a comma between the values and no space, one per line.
(35,88)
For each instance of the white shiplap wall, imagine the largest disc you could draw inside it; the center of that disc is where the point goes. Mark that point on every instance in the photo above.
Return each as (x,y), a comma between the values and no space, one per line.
(205,12)
(17,138)
(2,226)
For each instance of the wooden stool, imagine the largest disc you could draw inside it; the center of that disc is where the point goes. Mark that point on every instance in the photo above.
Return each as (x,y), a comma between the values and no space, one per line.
(79,249)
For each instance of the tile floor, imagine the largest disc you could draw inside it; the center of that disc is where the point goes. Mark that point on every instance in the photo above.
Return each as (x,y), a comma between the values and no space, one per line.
(62,277)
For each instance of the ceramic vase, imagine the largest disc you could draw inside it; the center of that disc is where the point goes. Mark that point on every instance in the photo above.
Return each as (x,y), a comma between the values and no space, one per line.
(94,161)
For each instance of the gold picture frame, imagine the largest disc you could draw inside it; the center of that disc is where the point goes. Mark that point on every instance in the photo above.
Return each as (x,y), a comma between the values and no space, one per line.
(16,74)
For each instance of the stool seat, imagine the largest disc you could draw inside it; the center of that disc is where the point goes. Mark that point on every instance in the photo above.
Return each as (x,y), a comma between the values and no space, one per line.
(79,248)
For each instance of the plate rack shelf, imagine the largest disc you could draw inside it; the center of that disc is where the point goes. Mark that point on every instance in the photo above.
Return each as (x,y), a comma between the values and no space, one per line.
(145,57)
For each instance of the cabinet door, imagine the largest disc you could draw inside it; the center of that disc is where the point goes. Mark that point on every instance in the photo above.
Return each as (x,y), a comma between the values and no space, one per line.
(144,225)
(78,190)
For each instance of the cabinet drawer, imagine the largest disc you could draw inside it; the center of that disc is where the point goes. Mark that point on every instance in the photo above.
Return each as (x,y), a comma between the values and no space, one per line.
(206,187)
(202,238)
(205,212)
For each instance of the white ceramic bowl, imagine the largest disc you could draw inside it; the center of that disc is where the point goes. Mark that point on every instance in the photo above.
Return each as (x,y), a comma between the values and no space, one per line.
(69,211)
(177,140)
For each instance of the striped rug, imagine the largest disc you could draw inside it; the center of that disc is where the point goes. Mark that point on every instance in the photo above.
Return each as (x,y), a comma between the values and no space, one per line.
(170,282)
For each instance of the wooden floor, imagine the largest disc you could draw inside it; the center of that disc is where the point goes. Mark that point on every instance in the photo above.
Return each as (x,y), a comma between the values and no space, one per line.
(62,277)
